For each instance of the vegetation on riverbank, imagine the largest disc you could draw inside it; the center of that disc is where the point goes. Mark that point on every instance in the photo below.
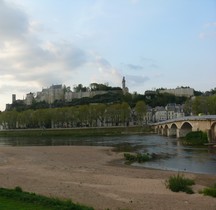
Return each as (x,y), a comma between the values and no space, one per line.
(195,138)
(142,157)
(130,158)
(179,183)
(76,132)
(11,199)
(210,191)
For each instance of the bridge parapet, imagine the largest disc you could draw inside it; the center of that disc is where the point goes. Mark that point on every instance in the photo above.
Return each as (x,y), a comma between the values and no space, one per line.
(181,126)
(188,118)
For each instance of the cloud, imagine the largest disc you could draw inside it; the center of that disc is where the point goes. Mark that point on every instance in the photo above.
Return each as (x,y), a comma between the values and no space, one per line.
(102,63)
(28,62)
(134,67)
(105,72)
(136,80)
(134,1)
(207,35)
(209,31)
(146,64)
(211,24)
(149,62)
(13,22)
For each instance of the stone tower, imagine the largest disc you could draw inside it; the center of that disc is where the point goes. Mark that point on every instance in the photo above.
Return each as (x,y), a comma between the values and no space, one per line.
(123,83)
(124,88)
(13,98)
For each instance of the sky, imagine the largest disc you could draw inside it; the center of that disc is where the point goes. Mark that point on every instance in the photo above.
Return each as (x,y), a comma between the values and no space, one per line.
(153,43)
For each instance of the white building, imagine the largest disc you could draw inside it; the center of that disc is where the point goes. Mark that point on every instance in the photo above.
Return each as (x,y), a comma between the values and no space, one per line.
(179,91)
(51,94)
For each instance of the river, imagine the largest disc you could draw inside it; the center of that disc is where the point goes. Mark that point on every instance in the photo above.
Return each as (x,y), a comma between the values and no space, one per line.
(176,156)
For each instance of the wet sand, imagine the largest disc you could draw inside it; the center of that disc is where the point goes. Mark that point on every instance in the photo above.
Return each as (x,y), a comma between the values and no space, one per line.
(95,176)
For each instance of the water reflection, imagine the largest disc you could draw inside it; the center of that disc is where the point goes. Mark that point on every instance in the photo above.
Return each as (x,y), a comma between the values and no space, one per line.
(175,156)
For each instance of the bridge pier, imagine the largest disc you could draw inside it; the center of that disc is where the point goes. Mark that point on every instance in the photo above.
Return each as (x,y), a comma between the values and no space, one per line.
(171,132)
(182,132)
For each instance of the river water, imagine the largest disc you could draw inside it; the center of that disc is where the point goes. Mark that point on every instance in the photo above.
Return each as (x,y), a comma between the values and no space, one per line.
(176,157)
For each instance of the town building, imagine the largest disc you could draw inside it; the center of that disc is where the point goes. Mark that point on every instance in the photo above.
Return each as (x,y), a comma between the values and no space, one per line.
(179,91)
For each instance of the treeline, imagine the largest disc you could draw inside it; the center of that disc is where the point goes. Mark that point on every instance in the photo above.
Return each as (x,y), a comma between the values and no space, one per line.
(92,115)
(201,105)
(95,87)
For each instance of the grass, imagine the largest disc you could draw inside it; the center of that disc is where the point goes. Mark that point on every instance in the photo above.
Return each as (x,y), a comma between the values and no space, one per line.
(9,204)
(179,183)
(16,199)
(210,191)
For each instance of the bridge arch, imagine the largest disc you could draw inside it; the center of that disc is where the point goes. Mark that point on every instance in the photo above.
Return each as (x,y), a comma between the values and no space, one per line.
(185,128)
(156,129)
(213,132)
(160,130)
(165,130)
(173,130)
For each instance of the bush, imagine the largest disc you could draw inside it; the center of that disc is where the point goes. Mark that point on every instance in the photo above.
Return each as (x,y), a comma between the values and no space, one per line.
(210,191)
(180,183)
(137,157)
(18,189)
(196,138)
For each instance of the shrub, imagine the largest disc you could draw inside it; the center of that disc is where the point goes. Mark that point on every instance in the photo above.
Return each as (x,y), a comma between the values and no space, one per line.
(142,158)
(136,157)
(196,138)
(18,189)
(210,191)
(130,157)
(180,183)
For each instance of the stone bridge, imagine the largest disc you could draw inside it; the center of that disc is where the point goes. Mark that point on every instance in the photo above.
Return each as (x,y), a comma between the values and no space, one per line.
(181,126)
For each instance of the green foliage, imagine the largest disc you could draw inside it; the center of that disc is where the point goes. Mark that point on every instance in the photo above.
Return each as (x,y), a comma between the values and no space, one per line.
(18,195)
(9,204)
(210,191)
(195,138)
(140,109)
(179,183)
(137,157)
(18,189)
(102,87)
(204,104)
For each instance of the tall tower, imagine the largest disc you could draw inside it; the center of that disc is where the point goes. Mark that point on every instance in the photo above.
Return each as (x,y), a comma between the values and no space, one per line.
(123,84)
(124,88)
(13,98)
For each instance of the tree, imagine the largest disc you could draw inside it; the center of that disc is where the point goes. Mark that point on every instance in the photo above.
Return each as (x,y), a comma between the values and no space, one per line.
(80,88)
(199,105)
(211,102)
(101,111)
(188,107)
(83,115)
(125,113)
(140,110)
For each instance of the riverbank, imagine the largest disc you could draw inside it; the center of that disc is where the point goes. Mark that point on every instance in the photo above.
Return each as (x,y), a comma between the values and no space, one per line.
(76,132)
(95,176)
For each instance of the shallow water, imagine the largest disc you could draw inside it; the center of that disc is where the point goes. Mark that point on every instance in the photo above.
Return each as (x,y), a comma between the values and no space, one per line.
(176,156)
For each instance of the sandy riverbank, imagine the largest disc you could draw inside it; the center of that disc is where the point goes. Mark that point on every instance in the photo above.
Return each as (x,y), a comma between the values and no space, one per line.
(92,176)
